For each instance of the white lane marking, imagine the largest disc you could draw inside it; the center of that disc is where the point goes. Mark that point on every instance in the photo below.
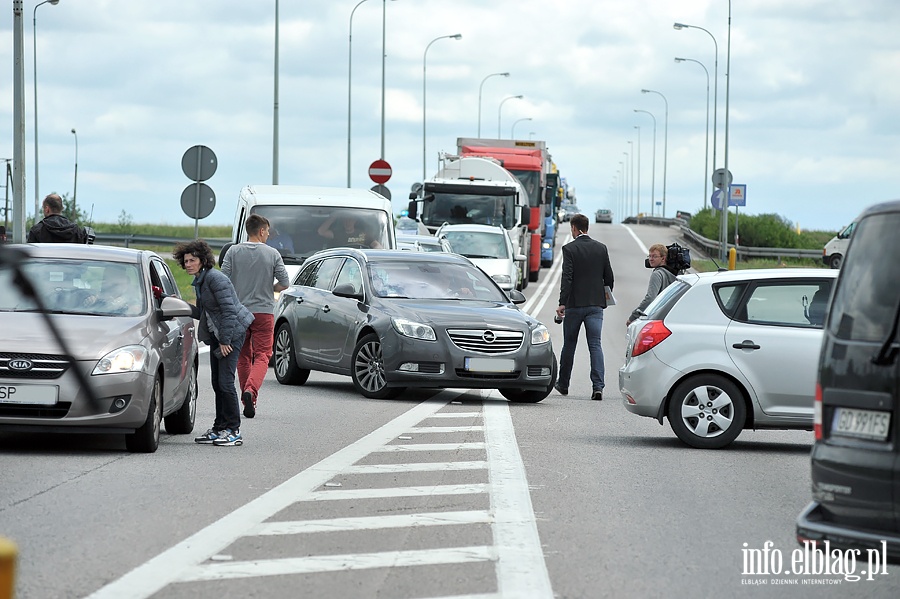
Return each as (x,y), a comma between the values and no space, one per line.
(170,565)
(446,429)
(544,288)
(414,467)
(521,569)
(429,447)
(372,522)
(427,491)
(339,563)
(639,242)
(456,415)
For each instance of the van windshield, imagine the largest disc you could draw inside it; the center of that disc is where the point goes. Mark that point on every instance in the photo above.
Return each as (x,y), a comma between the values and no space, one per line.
(297,232)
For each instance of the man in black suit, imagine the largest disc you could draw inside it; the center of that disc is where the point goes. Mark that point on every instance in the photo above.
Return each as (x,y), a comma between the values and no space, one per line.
(582,299)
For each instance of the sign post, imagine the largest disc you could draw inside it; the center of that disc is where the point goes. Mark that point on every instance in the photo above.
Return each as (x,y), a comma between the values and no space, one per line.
(199,164)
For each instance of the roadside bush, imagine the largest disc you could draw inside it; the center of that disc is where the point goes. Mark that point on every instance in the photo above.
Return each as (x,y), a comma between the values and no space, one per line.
(759,230)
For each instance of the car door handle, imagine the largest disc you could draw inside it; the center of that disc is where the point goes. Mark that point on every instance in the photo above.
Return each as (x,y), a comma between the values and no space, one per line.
(299,300)
(745,344)
(325,308)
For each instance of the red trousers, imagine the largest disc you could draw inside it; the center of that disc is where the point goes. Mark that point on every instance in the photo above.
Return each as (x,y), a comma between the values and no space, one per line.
(253,362)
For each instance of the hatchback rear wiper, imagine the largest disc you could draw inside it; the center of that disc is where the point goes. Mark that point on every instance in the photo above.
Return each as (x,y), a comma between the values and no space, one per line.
(888,351)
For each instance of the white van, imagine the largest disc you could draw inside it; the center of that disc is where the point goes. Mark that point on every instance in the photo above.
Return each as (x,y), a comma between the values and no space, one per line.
(835,250)
(305,220)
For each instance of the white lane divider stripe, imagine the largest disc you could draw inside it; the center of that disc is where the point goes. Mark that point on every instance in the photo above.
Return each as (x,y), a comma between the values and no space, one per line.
(372,523)
(414,467)
(344,494)
(446,429)
(429,447)
(338,563)
(456,415)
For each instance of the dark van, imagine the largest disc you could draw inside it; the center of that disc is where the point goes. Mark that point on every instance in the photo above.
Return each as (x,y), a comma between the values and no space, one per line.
(856,456)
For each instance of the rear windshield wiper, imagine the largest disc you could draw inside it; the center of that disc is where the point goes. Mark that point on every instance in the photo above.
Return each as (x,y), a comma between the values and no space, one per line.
(888,351)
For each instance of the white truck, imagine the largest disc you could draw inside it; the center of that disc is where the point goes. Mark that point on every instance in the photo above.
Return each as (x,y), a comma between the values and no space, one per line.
(834,251)
(469,190)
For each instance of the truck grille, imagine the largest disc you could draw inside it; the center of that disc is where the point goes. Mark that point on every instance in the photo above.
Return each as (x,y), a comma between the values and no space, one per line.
(486,341)
(42,366)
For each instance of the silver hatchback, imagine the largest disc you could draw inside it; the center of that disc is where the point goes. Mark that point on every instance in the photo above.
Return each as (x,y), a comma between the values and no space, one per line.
(716,353)
(95,339)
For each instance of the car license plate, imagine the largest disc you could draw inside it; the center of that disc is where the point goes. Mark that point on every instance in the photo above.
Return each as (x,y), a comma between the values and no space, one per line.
(45,395)
(490,364)
(863,424)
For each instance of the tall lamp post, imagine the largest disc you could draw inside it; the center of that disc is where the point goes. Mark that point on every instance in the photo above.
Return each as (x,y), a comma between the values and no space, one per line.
(479,96)
(500,109)
(274,108)
(512,131)
(680,26)
(456,36)
(727,178)
(75,183)
(653,163)
(706,159)
(349,72)
(631,175)
(37,194)
(665,144)
(639,170)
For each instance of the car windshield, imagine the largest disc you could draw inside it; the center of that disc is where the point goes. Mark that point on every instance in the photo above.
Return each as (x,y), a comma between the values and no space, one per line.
(297,232)
(76,287)
(475,244)
(432,280)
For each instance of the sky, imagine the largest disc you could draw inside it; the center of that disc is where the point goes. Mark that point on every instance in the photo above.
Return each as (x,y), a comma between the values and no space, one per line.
(810,112)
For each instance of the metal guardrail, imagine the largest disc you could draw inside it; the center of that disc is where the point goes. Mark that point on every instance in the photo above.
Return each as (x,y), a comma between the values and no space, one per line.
(712,248)
(128,240)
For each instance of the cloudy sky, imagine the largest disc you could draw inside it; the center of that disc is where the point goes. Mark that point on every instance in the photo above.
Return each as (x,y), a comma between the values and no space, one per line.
(813,128)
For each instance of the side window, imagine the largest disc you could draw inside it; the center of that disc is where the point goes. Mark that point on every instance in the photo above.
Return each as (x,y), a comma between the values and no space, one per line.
(865,301)
(350,274)
(307,273)
(785,302)
(729,297)
(162,278)
(324,275)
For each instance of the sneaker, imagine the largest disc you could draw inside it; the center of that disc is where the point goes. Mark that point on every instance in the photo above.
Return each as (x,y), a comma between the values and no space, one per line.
(249,404)
(228,438)
(561,390)
(208,437)
(597,395)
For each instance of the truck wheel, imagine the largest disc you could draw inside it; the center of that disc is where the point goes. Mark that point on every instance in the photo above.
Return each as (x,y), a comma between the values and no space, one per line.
(835,261)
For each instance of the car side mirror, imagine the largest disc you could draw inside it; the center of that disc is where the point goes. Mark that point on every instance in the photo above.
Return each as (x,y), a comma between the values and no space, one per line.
(516,296)
(347,290)
(412,210)
(520,258)
(172,307)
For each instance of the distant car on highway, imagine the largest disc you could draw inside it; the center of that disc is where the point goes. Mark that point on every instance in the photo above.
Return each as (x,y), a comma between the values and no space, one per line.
(127,330)
(423,243)
(490,248)
(719,352)
(569,210)
(392,320)
(603,216)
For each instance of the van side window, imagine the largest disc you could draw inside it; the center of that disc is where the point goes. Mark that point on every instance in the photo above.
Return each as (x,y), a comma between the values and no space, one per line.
(863,307)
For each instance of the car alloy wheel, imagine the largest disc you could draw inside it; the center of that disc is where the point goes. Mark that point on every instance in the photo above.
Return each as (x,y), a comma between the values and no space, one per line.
(181,422)
(707,411)
(146,438)
(286,370)
(367,369)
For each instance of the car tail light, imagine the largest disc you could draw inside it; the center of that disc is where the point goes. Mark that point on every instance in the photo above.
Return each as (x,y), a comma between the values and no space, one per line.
(817,413)
(651,335)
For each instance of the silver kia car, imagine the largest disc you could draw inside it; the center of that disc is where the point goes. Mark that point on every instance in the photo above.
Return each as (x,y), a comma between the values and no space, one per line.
(720,352)
(95,339)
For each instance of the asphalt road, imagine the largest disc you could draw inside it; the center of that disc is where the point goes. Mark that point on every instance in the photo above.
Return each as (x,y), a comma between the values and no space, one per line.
(435,494)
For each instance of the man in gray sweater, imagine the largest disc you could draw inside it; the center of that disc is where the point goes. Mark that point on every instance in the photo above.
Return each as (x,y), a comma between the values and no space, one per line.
(252,267)
(661,277)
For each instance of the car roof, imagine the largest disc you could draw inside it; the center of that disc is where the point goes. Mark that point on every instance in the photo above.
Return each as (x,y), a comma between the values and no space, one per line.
(762,273)
(430,239)
(497,230)
(392,255)
(84,252)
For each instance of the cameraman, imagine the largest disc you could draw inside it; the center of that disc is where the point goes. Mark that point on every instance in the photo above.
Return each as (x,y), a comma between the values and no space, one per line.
(56,228)
(660,278)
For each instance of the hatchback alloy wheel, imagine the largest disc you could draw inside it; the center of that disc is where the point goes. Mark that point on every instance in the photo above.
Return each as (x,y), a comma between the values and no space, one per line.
(707,411)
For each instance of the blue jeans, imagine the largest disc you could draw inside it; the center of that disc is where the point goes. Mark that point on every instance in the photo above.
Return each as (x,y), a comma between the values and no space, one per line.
(222,370)
(592,317)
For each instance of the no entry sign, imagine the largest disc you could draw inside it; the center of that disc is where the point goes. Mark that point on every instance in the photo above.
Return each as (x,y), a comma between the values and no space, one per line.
(380,171)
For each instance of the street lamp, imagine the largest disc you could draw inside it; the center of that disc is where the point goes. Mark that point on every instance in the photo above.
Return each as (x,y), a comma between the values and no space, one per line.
(349,71)
(665,144)
(727,178)
(512,131)
(625,192)
(680,26)
(500,109)
(706,159)
(75,184)
(274,109)
(36,179)
(639,169)
(479,96)
(653,163)
(456,36)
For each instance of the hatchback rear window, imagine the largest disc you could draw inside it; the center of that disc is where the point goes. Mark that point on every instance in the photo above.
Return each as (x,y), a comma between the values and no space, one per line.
(669,296)
(864,307)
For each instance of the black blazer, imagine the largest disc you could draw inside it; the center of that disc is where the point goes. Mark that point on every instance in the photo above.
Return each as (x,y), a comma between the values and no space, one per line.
(585,271)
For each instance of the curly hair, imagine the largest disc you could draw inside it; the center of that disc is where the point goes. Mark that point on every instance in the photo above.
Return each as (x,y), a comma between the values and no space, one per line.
(198,248)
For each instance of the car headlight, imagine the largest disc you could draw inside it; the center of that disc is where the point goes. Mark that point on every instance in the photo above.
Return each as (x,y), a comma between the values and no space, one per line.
(501,279)
(131,358)
(416,330)
(540,335)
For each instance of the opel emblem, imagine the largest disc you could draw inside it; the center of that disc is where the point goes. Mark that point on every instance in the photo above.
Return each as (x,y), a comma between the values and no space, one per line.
(489,336)
(20,365)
